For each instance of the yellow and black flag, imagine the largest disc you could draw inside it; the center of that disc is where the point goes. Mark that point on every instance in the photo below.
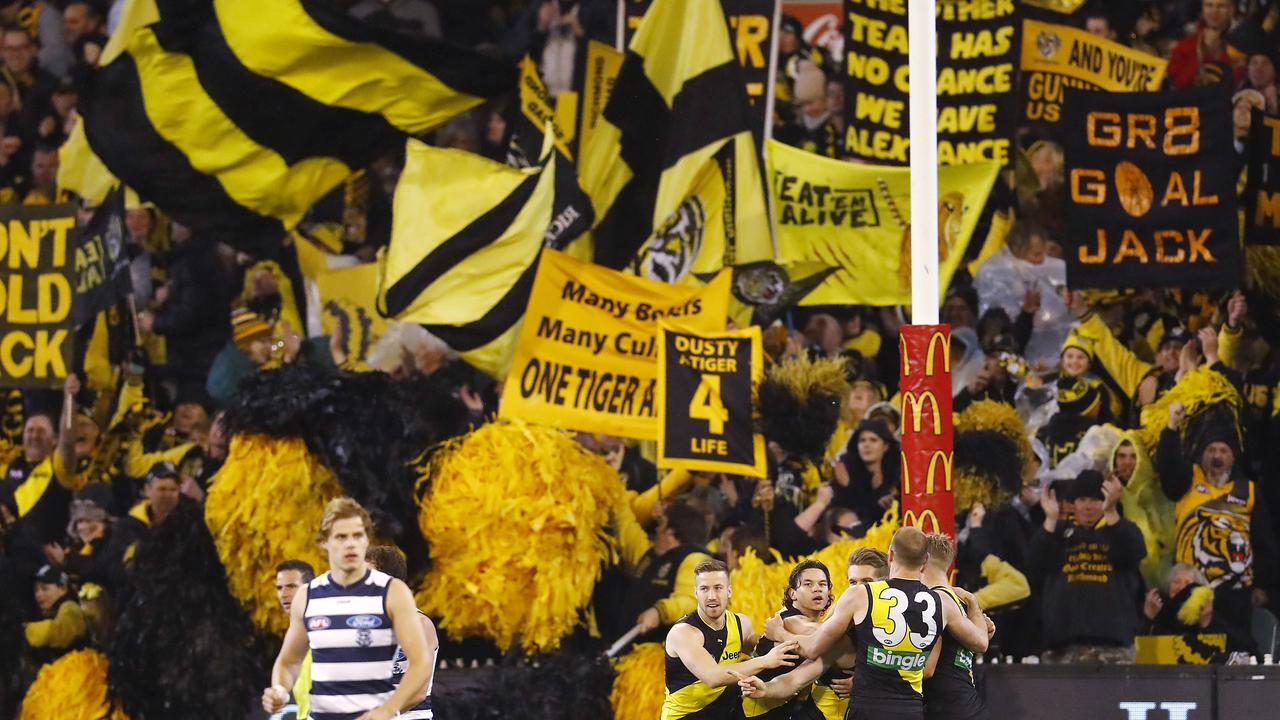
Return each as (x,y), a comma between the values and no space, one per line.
(466,235)
(234,116)
(678,104)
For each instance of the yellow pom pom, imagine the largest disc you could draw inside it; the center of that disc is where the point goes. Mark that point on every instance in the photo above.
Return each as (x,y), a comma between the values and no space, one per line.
(265,506)
(74,687)
(640,687)
(1189,613)
(757,587)
(515,519)
(1197,391)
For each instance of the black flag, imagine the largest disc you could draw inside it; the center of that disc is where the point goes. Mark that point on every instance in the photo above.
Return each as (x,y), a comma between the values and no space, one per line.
(102,265)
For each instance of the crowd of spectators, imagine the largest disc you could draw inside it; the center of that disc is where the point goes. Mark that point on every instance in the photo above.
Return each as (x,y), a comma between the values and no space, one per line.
(135,431)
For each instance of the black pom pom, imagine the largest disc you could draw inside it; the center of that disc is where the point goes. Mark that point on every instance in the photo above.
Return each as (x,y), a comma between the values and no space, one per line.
(183,646)
(365,427)
(569,684)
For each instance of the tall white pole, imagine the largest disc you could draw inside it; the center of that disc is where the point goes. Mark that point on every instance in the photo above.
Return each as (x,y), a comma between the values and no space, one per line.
(620,40)
(770,82)
(922,57)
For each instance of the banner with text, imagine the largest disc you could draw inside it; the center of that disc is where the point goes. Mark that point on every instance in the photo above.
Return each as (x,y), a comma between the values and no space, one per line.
(101,260)
(38,293)
(977,55)
(587,357)
(707,401)
(1152,203)
(855,218)
(1057,57)
(1262,195)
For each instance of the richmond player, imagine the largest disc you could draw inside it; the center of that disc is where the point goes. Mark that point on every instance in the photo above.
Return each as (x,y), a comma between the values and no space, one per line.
(894,625)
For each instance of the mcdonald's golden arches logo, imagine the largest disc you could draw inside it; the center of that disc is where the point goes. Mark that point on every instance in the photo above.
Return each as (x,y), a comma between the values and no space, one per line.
(913,408)
(926,522)
(902,353)
(944,340)
(938,461)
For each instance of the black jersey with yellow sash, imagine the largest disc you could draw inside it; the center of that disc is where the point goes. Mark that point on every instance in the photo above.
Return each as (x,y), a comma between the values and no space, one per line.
(770,708)
(950,694)
(689,697)
(893,643)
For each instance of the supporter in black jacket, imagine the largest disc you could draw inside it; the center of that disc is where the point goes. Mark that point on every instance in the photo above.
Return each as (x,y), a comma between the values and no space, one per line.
(1091,575)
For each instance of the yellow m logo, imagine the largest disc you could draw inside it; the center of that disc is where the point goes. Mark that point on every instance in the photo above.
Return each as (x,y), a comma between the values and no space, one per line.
(938,339)
(926,522)
(913,407)
(939,460)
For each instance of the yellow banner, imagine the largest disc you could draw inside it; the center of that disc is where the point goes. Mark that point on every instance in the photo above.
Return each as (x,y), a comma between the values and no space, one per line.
(601,69)
(536,108)
(856,218)
(587,357)
(348,306)
(1055,57)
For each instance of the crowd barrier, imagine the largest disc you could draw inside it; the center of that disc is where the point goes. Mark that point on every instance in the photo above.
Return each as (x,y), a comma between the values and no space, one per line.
(1133,692)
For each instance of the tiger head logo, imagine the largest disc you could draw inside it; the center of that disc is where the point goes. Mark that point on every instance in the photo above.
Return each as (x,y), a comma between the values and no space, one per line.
(1218,543)
(670,252)
(1048,43)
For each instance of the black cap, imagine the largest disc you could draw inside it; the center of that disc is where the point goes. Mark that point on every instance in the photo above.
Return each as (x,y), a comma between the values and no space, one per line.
(1088,484)
(98,493)
(50,575)
(1177,334)
(163,469)
(791,24)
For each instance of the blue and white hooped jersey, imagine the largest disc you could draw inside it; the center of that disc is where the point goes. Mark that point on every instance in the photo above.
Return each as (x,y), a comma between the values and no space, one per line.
(421,711)
(353,645)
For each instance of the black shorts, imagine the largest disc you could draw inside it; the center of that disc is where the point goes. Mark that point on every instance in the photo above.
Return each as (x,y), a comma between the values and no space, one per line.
(873,711)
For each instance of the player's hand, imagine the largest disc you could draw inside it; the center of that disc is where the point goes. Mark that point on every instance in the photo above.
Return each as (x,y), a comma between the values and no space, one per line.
(842,686)
(967,598)
(381,713)
(991,626)
(274,698)
(1177,413)
(774,628)
(752,687)
(782,655)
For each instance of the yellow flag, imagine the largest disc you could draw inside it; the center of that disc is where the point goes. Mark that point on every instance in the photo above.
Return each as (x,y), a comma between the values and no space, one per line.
(677,104)
(856,218)
(587,357)
(465,237)
(80,171)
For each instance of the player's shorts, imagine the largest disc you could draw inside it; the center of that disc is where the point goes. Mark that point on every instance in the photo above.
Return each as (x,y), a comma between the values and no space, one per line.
(877,711)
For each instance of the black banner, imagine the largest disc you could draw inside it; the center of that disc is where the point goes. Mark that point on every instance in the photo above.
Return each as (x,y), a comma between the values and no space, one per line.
(1152,202)
(101,263)
(978,46)
(38,294)
(706,401)
(1262,194)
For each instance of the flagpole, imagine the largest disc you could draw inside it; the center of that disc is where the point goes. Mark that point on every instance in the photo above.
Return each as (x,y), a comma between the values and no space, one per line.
(922,57)
(771,82)
(769,100)
(620,40)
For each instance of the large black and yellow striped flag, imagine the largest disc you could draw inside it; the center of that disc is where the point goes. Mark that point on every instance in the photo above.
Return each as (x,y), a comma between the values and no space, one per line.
(677,106)
(466,234)
(234,116)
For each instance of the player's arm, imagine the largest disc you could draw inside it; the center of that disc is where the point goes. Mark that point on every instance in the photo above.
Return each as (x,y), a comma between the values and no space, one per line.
(968,629)
(412,639)
(685,642)
(292,652)
(750,638)
(842,615)
(433,641)
(785,685)
(932,666)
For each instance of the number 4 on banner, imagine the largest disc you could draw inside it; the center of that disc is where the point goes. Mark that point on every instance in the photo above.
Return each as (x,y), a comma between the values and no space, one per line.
(707,405)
